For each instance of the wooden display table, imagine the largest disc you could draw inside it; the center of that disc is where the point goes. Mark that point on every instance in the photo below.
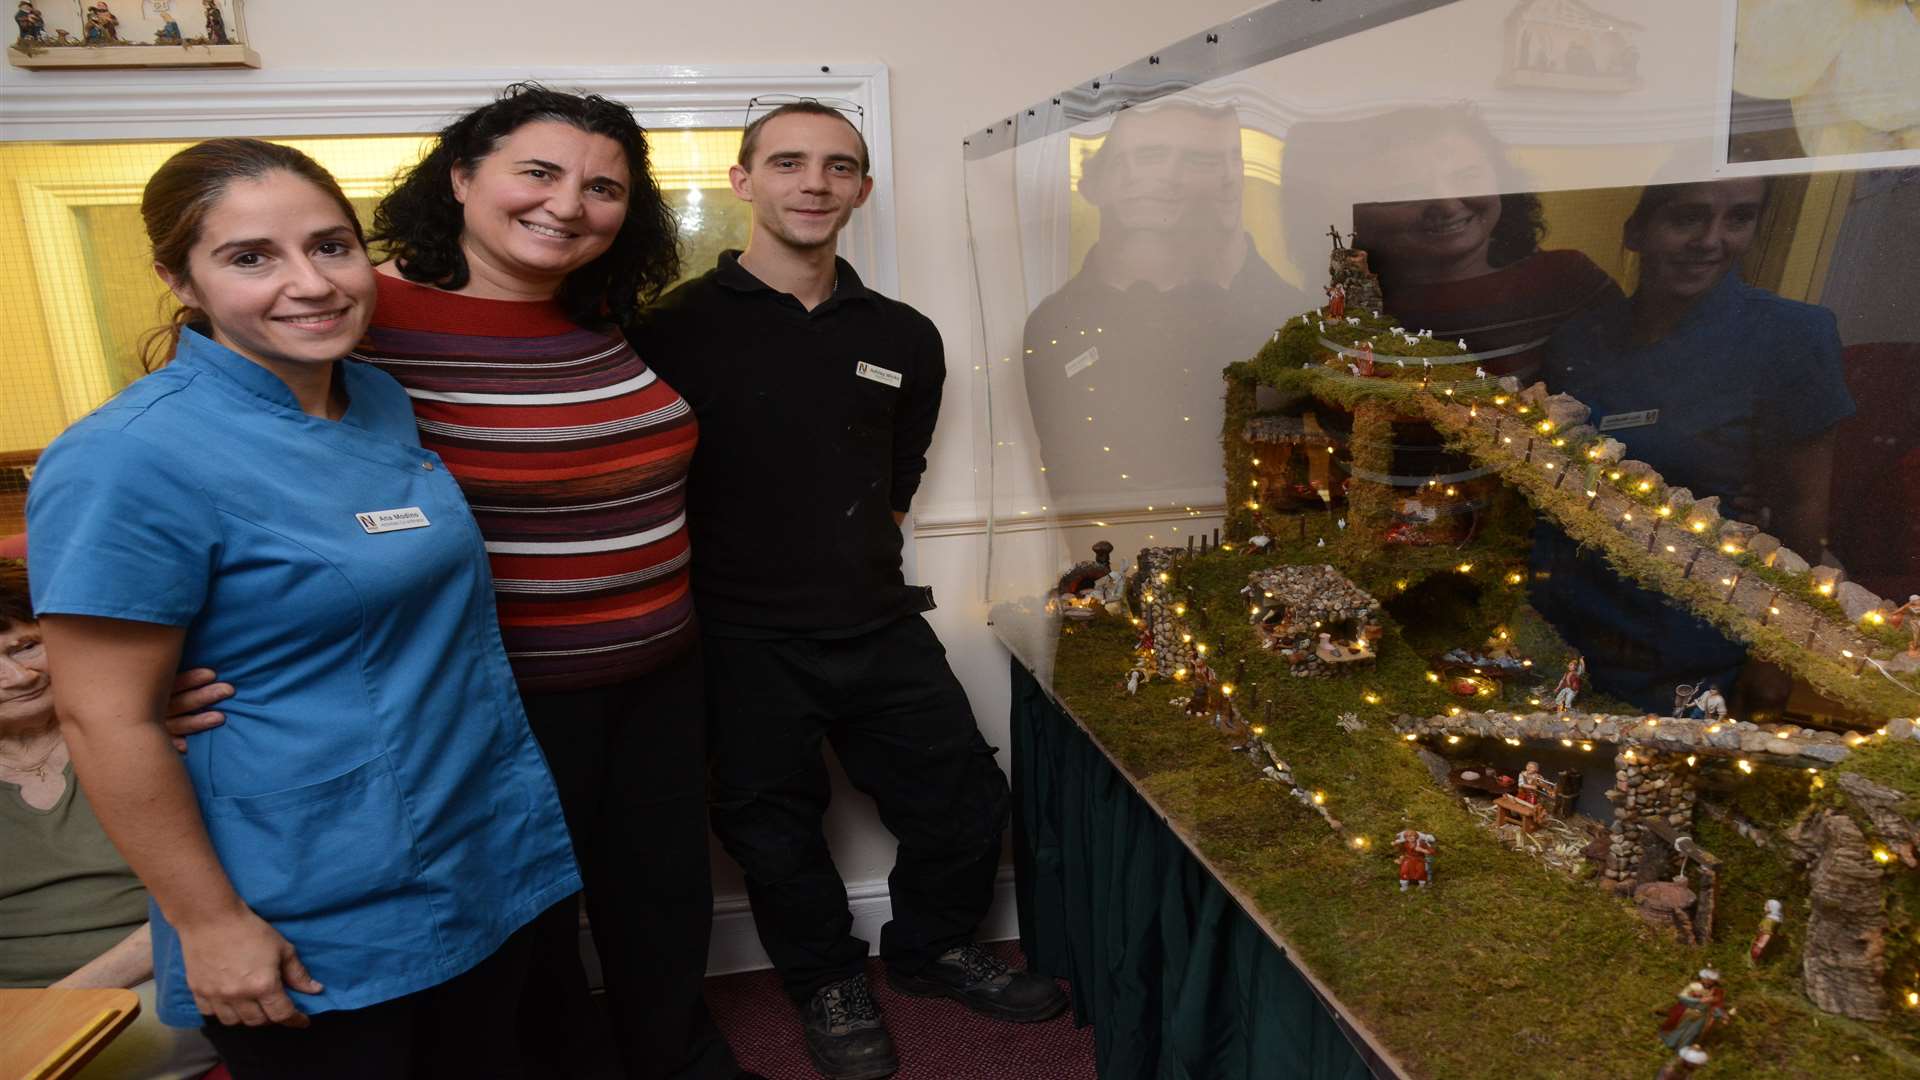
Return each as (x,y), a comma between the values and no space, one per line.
(52,1034)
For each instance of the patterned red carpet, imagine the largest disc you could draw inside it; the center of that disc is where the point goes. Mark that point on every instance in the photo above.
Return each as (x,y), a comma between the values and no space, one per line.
(937,1039)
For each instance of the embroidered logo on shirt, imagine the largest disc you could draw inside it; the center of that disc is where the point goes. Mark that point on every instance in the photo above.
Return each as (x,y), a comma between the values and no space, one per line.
(397,520)
(1617,421)
(877,374)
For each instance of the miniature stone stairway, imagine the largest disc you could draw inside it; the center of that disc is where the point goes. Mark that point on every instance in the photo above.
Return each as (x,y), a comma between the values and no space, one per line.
(1686,547)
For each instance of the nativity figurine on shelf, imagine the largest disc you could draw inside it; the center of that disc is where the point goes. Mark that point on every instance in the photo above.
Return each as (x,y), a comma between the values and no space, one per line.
(1568,688)
(1695,1011)
(1416,850)
(1770,920)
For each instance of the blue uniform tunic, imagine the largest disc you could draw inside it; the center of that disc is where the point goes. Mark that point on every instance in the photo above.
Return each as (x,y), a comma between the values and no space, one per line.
(375,793)
(1743,377)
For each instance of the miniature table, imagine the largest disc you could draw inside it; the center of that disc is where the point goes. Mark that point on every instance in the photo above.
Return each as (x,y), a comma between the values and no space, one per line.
(1164,959)
(52,1034)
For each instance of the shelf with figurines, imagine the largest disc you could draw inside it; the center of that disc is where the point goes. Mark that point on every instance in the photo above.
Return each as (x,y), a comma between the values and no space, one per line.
(1353,687)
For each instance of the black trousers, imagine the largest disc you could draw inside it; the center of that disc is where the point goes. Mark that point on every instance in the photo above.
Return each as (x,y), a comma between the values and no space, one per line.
(903,731)
(630,763)
(461,1029)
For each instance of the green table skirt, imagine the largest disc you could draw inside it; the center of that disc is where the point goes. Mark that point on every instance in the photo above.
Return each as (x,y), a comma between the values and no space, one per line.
(1177,981)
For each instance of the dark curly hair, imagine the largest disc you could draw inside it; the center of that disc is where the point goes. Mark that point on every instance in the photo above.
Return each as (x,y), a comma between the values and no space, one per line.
(420,222)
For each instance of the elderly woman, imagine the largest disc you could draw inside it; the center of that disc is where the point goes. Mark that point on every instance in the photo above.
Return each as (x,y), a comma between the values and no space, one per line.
(72,915)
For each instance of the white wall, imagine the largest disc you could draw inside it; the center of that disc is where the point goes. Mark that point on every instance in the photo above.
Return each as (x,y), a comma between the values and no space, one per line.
(953,66)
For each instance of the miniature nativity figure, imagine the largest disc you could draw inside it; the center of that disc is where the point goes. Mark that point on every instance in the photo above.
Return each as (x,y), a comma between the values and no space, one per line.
(1695,1010)
(1770,921)
(1336,299)
(1699,701)
(1568,688)
(32,24)
(1416,850)
(1908,615)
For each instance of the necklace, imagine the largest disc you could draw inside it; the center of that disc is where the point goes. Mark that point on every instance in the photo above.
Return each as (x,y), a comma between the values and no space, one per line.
(38,768)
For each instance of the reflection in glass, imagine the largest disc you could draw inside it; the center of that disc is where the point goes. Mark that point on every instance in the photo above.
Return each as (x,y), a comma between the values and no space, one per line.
(1123,361)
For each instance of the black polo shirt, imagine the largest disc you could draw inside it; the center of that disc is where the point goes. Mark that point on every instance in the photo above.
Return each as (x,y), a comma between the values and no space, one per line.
(814,428)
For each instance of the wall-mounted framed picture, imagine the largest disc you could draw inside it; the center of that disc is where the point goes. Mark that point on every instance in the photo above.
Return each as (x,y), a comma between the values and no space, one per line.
(129,34)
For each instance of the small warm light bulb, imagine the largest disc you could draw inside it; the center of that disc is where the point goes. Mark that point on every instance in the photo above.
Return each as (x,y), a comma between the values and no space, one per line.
(1745,765)
(1433,676)
(1179,609)
(1615,475)
(1360,843)
(1882,855)
(1913,999)
(1254,610)
(1568,743)
(1697,526)
(1545,426)
(1201,648)
(1186,639)
(1730,548)
(1825,588)
(1319,798)
(1665,511)
(1259,729)
(1453,740)
(1465,568)
(1644,486)
(1410,736)
(1875,618)
(1515,578)
(1165,577)
(1692,761)
(1226,689)
(1256,461)
(1626,517)
(1499,399)
(1370,698)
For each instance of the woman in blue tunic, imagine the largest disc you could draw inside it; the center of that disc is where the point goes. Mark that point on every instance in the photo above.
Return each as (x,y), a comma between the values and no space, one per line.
(1725,389)
(340,872)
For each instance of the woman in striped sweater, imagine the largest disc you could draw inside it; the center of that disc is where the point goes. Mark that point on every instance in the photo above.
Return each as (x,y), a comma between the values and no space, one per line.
(527,233)
(520,241)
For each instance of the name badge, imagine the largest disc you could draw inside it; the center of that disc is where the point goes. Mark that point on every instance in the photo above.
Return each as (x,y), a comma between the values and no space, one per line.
(1082,362)
(398,520)
(877,374)
(1643,418)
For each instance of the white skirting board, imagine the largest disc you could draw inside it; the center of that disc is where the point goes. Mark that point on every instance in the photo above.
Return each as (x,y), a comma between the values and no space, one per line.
(735,946)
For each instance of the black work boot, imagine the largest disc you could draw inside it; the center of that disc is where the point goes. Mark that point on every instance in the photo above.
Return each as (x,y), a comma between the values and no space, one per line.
(979,980)
(845,1035)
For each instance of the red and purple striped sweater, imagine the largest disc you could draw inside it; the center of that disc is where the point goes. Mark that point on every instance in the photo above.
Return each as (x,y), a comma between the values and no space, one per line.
(573,455)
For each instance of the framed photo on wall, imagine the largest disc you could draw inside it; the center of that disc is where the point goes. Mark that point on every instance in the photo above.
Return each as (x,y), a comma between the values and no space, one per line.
(130,34)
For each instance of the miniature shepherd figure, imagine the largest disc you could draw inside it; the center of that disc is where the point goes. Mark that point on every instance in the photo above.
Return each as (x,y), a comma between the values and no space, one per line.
(32,24)
(1683,1064)
(1569,685)
(1416,857)
(1695,1010)
(1770,921)
(1336,299)
(1908,615)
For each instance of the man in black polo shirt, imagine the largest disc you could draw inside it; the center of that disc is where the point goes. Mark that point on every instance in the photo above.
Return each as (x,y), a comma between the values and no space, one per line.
(817,400)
